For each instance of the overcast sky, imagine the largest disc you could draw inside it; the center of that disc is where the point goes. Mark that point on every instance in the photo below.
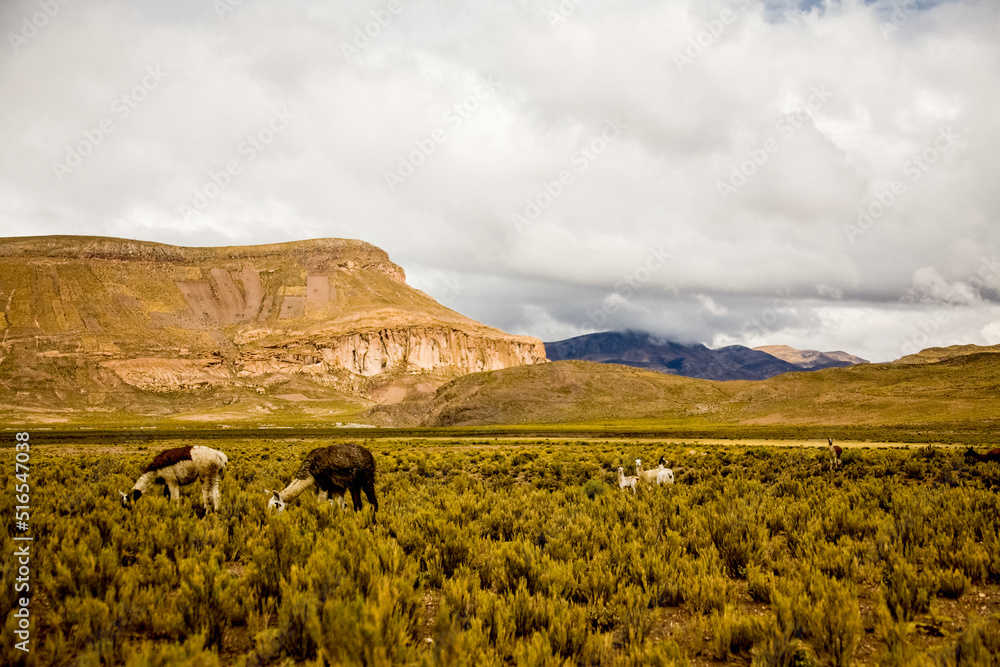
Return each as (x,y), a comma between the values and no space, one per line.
(824,175)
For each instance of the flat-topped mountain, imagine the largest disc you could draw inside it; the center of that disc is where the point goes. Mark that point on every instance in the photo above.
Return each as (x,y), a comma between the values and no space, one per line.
(88,321)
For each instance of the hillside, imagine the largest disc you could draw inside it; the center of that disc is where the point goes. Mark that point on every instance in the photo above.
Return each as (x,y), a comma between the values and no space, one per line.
(935,354)
(963,389)
(93,325)
(643,350)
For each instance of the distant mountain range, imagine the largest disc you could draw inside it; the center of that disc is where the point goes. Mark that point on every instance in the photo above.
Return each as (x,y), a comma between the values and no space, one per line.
(734,362)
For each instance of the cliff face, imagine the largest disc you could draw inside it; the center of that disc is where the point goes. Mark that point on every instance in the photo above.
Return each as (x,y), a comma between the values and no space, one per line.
(423,349)
(370,354)
(84,316)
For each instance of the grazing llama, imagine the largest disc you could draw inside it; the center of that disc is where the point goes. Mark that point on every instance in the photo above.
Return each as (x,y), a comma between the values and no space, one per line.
(177,467)
(834,453)
(625,482)
(659,475)
(334,471)
(992,455)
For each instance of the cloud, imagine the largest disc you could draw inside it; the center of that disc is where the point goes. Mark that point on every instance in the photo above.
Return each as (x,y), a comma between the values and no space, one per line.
(776,150)
(708,303)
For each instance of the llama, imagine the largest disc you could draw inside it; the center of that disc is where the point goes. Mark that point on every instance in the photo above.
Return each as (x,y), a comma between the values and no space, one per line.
(664,475)
(177,467)
(834,453)
(992,455)
(645,475)
(624,482)
(334,471)
(659,475)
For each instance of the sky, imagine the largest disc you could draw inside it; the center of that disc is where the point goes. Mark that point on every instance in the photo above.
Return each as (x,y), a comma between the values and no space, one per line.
(824,175)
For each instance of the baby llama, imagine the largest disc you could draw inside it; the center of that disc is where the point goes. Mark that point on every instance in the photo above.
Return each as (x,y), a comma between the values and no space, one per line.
(626,482)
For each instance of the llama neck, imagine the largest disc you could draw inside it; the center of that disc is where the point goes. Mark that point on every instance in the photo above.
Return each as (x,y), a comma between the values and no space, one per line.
(145,481)
(295,489)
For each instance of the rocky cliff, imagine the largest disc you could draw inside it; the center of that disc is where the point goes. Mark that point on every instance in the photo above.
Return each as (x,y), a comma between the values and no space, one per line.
(86,317)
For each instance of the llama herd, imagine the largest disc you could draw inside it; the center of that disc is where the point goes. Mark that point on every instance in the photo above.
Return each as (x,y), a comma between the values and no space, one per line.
(659,475)
(338,470)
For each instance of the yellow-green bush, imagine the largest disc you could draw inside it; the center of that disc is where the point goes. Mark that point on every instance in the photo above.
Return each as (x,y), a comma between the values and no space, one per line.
(528,554)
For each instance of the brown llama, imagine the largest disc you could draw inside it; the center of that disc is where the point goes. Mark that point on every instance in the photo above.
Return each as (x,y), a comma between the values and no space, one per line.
(992,455)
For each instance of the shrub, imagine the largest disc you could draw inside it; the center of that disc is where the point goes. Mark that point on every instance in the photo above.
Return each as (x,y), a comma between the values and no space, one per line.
(979,643)
(906,592)
(779,645)
(735,635)
(836,623)
(709,593)
(633,615)
(759,584)
(952,584)
(593,488)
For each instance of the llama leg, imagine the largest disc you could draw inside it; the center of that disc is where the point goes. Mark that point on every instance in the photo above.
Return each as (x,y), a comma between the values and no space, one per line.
(356,498)
(212,492)
(174,489)
(369,489)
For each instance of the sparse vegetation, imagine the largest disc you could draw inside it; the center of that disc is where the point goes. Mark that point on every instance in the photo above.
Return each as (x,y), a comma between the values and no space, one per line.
(522,552)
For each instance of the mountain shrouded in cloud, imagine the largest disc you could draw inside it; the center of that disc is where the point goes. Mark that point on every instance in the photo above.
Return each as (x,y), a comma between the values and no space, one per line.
(733,362)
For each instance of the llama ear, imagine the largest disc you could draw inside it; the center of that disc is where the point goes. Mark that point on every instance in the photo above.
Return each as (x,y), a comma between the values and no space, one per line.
(123,494)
